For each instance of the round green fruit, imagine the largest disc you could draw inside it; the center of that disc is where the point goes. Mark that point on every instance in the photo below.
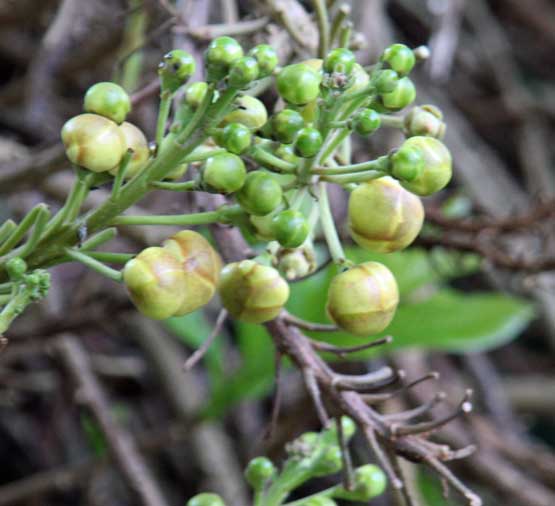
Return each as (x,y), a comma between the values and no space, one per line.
(267,58)
(437,170)
(93,142)
(400,58)
(363,299)
(299,83)
(249,111)
(290,228)
(286,124)
(109,100)
(260,194)
(224,173)
(383,216)
(251,292)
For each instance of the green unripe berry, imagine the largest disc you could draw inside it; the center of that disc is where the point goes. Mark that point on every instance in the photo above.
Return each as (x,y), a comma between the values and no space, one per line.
(290,228)
(366,122)
(16,268)
(403,95)
(259,471)
(437,166)
(234,137)
(220,55)
(339,60)
(243,72)
(195,93)
(330,435)
(201,266)
(109,100)
(260,194)
(363,299)
(175,70)
(308,142)
(224,173)
(298,84)
(386,81)
(251,292)
(425,120)
(400,58)
(383,216)
(267,58)
(407,163)
(249,111)
(93,142)
(286,124)
(206,499)
(370,482)
(155,280)
(329,462)
(136,141)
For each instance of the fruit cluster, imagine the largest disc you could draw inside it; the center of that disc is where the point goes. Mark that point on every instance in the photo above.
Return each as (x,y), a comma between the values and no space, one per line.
(274,168)
(312,455)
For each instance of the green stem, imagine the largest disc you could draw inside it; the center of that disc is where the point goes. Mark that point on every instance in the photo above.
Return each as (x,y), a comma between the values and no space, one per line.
(163,113)
(222,215)
(338,124)
(24,250)
(345,34)
(101,238)
(112,258)
(323,27)
(379,164)
(169,157)
(328,226)
(27,222)
(6,230)
(332,143)
(15,307)
(328,492)
(94,264)
(73,203)
(201,153)
(120,175)
(337,22)
(357,177)
(392,121)
(6,287)
(133,41)
(176,187)
(271,161)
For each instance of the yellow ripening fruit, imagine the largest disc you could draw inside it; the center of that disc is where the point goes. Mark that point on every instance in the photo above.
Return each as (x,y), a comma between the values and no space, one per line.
(201,265)
(155,280)
(437,166)
(93,142)
(383,216)
(135,140)
(251,292)
(363,299)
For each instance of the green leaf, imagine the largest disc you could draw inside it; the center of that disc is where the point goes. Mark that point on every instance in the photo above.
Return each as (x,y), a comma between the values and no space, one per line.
(428,316)
(255,376)
(450,320)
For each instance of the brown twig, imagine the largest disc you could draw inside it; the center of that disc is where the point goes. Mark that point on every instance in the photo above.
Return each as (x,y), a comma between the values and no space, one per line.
(122,446)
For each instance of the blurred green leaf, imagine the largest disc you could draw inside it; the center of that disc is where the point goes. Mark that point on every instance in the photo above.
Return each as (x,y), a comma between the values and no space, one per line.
(255,376)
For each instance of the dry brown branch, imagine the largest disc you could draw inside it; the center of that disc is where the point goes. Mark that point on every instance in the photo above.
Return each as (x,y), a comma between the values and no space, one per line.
(122,446)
